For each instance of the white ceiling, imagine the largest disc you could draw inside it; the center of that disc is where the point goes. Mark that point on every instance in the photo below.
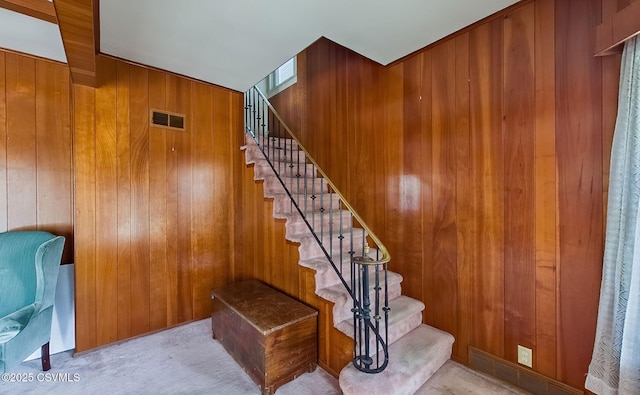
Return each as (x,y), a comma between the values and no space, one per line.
(23,33)
(236,43)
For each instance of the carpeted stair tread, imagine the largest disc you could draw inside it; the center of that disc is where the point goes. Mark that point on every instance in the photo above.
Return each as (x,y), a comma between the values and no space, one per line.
(282,203)
(357,234)
(253,152)
(338,291)
(262,169)
(405,315)
(413,359)
(321,190)
(277,141)
(342,300)
(309,247)
(337,220)
(314,186)
(325,274)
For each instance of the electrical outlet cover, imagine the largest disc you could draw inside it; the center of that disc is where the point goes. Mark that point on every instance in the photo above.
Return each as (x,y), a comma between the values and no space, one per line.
(525,356)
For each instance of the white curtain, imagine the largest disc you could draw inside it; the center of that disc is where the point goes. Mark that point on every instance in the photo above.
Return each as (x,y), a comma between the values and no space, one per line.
(615,365)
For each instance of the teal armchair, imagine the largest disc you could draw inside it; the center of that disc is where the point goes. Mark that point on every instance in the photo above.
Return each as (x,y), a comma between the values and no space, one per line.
(29,265)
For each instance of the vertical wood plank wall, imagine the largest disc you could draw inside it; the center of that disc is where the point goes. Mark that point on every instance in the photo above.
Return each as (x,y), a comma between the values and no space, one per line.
(481,162)
(36,171)
(154,207)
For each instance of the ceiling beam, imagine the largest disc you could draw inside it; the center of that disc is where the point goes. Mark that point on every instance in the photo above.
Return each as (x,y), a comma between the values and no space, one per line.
(41,9)
(77,25)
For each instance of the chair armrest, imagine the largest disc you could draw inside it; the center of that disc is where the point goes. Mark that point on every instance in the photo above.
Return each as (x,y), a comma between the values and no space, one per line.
(13,323)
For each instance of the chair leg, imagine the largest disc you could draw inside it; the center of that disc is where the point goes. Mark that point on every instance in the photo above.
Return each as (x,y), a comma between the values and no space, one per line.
(46,363)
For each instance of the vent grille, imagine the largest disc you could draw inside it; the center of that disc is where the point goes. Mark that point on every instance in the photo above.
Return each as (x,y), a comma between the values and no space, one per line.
(167,120)
(176,121)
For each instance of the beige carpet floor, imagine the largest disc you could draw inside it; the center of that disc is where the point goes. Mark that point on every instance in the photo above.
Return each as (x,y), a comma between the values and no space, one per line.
(186,360)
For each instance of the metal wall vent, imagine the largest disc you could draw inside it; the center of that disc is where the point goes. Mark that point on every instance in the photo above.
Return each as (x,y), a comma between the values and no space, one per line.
(167,120)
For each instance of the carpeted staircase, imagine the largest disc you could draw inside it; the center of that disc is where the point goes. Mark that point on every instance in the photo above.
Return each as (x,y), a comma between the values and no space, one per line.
(416,351)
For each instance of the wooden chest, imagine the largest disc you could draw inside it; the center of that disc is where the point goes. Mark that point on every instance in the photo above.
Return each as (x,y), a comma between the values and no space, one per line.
(272,336)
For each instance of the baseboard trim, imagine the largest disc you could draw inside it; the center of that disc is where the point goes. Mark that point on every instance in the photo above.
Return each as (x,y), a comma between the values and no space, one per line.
(517,375)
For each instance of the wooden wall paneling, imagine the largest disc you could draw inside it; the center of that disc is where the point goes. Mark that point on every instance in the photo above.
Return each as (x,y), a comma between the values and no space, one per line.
(391,152)
(362,188)
(617,23)
(579,150)
(225,148)
(545,190)
(106,199)
(178,95)
(159,281)
(610,82)
(528,227)
(519,142)
(410,204)
(272,274)
(307,294)
(236,140)
(233,145)
(338,100)
(4,209)
(300,101)
(53,146)
(139,124)
(245,241)
(377,196)
(444,280)
(206,230)
(35,146)
(464,215)
(85,221)
(314,100)
(294,280)
(252,234)
(322,105)
(258,269)
(173,302)
(335,97)
(155,254)
(125,223)
(487,185)
(426,181)
(274,236)
(21,142)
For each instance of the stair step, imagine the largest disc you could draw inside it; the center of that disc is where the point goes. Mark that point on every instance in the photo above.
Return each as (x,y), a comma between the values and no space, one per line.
(313,186)
(342,300)
(274,142)
(263,169)
(254,152)
(326,275)
(282,204)
(310,248)
(296,187)
(413,359)
(287,156)
(405,315)
(321,221)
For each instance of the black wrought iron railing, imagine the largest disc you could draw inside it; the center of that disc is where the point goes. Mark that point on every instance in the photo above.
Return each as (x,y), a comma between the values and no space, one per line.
(340,232)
